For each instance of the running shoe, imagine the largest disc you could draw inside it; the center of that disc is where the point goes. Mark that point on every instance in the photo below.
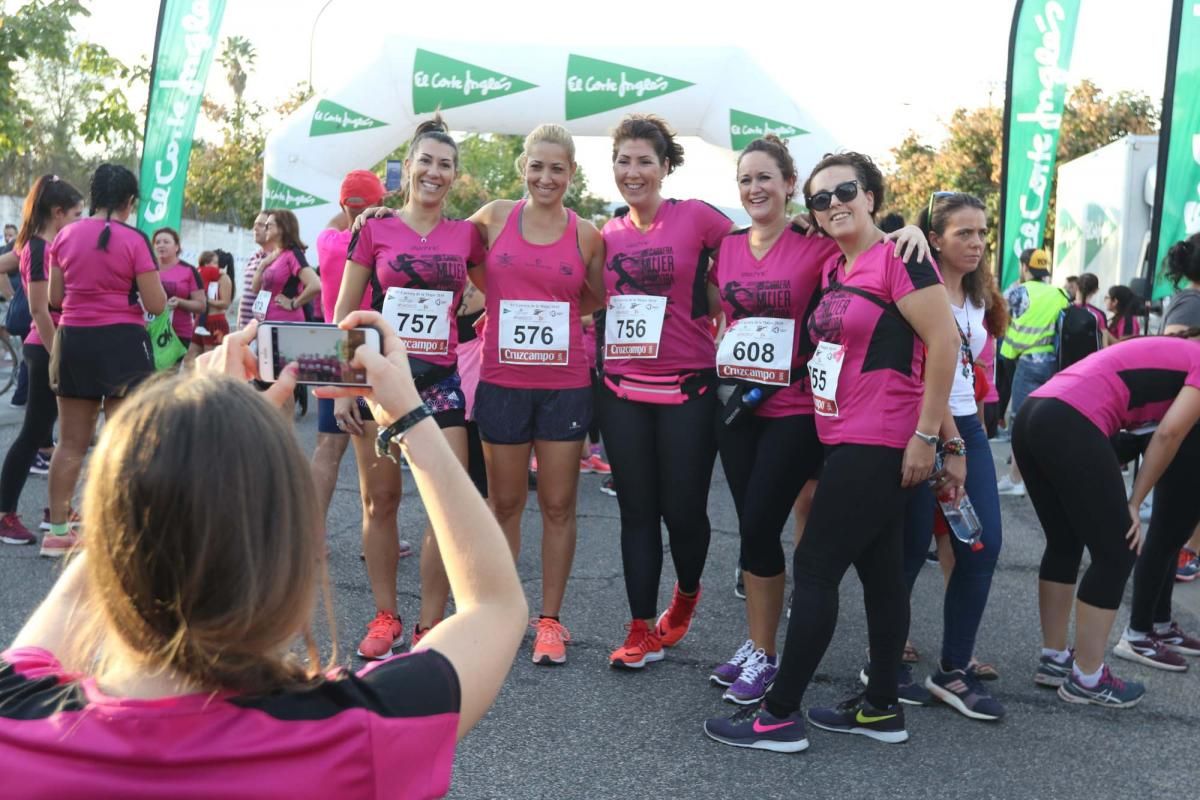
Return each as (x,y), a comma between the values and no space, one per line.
(73,520)
(419,633)
(598,465)
(40,465)
(755,679)
(983,670)
(13,531)
(384,634)
(1005,486)
(1176,640)
(754,727)
(550,642)
(725,674)
(58,546)
(1053,673)
(907,689)
(673,623)
(642,646)
(857,715)
(585,466)
(963,691)
(1189,565)
(1150,652)
(739,583)
(1110,691)
(608,487)
(931,557)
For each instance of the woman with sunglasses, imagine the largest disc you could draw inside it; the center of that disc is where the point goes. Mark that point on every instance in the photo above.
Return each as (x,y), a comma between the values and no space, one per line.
(885,353)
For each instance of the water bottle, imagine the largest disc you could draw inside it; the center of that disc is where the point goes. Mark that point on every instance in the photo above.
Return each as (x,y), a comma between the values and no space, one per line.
(960,517)
(749,400)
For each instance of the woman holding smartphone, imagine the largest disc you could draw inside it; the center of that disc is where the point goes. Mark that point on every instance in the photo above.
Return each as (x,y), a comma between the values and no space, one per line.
(420,258)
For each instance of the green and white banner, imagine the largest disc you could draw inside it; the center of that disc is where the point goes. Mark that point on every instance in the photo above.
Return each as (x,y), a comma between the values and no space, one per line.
(1177,191)
(1039,58)
(183,52)
(439,81)
(594,86)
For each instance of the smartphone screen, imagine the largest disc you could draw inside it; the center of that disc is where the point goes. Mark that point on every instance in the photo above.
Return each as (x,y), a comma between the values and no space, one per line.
(322,352)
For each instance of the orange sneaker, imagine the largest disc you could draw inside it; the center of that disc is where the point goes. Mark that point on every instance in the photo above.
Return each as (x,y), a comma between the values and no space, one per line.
(384,634)
(550,644)
(419,633)
(642,646)
(673,624)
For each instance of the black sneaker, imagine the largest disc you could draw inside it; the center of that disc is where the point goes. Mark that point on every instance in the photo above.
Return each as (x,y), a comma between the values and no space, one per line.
(963,691)
(907,690)
(857,715)
(754,727)
(40,465)
(608,487)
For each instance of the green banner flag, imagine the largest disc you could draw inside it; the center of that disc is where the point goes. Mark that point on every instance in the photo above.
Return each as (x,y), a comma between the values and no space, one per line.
(1177,191)
(183,52)
(1039,57)
(330,117)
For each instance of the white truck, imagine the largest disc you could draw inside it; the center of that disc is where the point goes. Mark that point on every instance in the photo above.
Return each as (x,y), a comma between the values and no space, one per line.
(1103,202)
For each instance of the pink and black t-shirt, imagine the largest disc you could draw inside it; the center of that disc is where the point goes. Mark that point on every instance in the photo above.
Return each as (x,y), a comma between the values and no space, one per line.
(517,269)
(332,246)
(389,731)
(400,257)
(101,285)
(180,280)
(276,277)
(35,268)
(1124,327)
(1128,385)
(881,384)
(670,259)
(781,284)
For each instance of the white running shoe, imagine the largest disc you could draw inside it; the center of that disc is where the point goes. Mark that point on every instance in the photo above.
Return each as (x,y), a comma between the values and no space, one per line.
(1005,486)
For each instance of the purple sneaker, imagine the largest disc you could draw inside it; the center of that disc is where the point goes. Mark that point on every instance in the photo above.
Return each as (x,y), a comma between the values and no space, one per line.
(1175,640)
(755,679)
(725,674)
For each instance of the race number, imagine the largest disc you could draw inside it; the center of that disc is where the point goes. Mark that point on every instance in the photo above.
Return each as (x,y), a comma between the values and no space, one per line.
(421,318)
(535,332)
(824,369)
(633,325)
(212,290)
(758,349)
(262,304)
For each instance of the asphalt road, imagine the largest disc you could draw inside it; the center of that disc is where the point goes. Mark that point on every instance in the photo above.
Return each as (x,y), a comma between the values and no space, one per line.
(583,730)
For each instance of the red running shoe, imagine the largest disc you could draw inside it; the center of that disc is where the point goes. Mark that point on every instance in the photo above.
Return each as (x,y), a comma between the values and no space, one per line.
(642,646)
(673,624)
(384,634)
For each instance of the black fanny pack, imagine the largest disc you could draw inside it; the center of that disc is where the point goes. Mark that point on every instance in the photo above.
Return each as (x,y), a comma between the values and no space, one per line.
(426,374)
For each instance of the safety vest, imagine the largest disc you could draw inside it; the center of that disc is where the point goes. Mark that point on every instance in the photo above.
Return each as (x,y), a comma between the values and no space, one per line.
(1033,331)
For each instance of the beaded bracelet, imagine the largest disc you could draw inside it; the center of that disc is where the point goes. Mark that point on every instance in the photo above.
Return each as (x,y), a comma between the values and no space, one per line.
(954,447)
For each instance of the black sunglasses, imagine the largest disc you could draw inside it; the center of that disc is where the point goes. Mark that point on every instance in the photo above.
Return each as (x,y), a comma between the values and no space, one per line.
(822,200)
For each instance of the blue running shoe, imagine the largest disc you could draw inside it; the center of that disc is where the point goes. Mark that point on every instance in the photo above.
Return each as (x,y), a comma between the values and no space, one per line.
(907,689)
(1111,691)
(1053,673)
(754,727)
(857,715)
(963,691)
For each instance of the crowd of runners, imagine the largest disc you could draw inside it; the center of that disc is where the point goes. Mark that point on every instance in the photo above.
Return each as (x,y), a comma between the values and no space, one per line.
(844,375)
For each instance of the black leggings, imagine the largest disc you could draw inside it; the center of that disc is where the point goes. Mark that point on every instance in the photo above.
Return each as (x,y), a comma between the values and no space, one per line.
(857,519)
(41,411)
(662,462)
(767,461)
(1074,481)
(1175,516)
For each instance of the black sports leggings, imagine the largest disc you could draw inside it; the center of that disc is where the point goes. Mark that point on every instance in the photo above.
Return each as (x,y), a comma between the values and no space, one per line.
(1175,516)
(767,461)
(662,462)
(41,411)
(1074,481)
(857,519)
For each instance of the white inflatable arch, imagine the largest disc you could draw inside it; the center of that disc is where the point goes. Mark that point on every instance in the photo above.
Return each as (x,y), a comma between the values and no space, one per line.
(718,94)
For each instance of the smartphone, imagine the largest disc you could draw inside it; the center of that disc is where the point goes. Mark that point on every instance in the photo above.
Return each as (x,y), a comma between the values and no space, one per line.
(322,352)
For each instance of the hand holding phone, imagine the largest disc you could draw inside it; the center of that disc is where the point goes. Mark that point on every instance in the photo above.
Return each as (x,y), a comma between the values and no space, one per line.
(391,393)
(324,355)
(233,357)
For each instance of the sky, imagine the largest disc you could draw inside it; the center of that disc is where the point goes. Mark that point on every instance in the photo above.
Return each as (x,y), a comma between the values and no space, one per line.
(871,70)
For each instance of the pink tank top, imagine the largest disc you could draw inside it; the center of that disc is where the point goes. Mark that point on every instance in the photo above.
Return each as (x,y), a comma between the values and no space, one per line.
(527,344)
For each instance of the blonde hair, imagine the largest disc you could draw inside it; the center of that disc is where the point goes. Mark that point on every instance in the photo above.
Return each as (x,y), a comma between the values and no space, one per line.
(212,583)
(547,132)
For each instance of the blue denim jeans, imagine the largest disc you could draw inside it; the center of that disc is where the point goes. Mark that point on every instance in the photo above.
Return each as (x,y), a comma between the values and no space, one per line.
(1031,373)
(971,580)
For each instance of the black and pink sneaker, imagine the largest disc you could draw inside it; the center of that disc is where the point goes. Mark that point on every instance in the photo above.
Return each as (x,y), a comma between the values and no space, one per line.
(754,727)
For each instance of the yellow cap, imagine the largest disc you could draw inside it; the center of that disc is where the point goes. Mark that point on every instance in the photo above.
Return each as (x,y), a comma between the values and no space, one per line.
(1039,259)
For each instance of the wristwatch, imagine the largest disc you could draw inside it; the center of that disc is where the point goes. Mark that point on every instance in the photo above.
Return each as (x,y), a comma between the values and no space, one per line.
(395,431)
(927,438)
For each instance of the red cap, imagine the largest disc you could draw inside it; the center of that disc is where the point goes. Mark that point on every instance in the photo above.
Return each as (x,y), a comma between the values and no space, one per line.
(361,188)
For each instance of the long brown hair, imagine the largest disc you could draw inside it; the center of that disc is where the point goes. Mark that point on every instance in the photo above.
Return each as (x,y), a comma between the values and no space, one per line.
(47,193)
(213,584)
(289,229)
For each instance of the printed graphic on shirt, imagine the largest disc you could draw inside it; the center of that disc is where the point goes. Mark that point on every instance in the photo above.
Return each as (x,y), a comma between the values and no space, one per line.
(330,117)
(595,86)
(445,271)
(506,260)
(649,271)
(825,324)
(443,82)
(767,298)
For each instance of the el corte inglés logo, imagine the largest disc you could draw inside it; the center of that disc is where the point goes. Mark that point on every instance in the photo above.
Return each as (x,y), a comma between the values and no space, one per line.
(330,117)
(279,195)
(745,128)
(443,82)
(595,86)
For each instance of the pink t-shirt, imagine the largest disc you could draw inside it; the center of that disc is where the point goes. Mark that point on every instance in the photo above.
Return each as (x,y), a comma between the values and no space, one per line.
(988,359)
(35,269)
(671,260)
(275,278)
(1129,384)
(400,257)
(880,388)
(388,731)
(521,270)
(101,285)
(1124,327)
(780,285)
(331,255)
(179,280)
(1101,319)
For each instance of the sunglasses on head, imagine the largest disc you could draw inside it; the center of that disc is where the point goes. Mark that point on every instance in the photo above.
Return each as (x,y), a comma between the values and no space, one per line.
(933,198)
(821,201)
